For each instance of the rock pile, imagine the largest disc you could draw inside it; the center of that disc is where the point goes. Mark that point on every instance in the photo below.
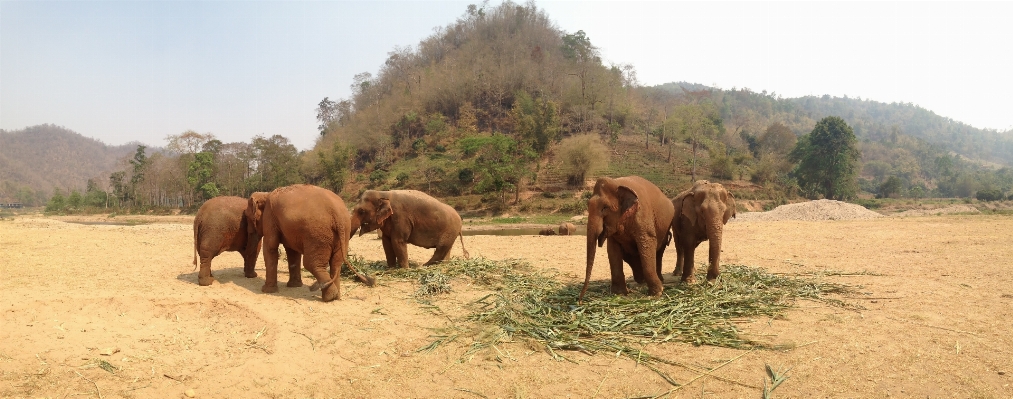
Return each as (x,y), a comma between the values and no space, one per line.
(812,210)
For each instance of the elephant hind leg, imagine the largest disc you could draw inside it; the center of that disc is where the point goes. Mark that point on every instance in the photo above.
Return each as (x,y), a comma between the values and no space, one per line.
(204,277)
(294,268)
(442,253)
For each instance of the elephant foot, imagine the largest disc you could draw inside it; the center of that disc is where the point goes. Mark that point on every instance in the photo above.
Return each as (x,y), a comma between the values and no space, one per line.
(330,293)
(656,292)
(677,273)
(270,289)
(205,281)
(294,283)
(250,274)
(688,280)
(620,289)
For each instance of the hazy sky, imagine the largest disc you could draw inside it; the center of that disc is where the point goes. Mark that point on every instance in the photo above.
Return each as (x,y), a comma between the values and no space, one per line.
(122,71)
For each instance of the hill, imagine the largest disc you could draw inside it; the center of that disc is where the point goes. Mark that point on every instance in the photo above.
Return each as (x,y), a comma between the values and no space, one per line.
(509,82)
(37,159)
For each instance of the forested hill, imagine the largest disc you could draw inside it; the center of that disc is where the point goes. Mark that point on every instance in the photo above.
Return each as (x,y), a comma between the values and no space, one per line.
(498,100)
(871,120)
(39,158)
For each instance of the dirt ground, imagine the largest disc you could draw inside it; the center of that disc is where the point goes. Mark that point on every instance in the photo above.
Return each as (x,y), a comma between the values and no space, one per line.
(937,321)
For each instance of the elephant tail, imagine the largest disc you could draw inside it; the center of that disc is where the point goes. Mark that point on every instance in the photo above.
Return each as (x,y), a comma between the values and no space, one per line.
(461,236)
(196,242)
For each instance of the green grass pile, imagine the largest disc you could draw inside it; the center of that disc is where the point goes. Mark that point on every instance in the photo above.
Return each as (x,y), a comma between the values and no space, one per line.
(527,302)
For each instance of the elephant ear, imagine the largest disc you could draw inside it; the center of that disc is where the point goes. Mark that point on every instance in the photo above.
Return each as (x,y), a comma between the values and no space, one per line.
(689,208)
(729,202)
(629,203)
(383,211)
(254,210)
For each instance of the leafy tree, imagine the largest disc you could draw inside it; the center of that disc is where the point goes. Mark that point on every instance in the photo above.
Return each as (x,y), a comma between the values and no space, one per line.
(992,194)
(199,173)
(777,139)
(499,162)
(140,164)
(890,188)
(57,203)
(75,200)
(582,156)
(93,195)
(277,163)
(336,165)
(536,121)
(827,160)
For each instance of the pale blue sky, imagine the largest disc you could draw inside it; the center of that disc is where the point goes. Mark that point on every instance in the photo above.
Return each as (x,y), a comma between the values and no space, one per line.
(124,71)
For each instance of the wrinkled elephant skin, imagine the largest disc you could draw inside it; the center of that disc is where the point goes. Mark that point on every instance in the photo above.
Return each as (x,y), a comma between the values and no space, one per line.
(632,216)
(312,223)
(219,226)
(700,215)
(408,217)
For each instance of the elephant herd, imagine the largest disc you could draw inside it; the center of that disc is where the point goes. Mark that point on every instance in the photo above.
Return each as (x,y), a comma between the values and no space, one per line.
(629,214)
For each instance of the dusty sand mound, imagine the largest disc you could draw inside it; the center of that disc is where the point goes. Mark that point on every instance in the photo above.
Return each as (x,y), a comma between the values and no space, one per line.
(939,211)
(813,210)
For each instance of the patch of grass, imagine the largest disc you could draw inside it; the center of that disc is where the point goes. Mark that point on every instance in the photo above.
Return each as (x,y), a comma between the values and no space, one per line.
(529,303)
(508,220)
(433,283)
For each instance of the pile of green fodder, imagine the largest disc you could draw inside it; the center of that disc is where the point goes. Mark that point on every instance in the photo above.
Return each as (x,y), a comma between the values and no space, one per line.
(528,302)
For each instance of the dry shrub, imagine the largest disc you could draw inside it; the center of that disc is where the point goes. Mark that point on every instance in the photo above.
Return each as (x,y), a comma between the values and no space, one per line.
(582,156)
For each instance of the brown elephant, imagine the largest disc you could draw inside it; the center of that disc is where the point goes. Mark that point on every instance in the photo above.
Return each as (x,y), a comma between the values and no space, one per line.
(566,228)
(408,217)
(548,231)
(634,217)
(700,215)
(220,226)
(311,222)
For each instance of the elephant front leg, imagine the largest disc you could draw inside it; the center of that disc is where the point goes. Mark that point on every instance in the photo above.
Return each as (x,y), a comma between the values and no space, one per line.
(687,264)
(294,268)
(388,251)
(649,267)
(615,254)
(400,248)
(715,259)
(204,277)
(271,268)
(680,258)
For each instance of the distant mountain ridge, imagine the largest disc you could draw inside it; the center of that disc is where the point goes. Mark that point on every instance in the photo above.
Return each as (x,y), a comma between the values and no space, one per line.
(47,156)
(870,119)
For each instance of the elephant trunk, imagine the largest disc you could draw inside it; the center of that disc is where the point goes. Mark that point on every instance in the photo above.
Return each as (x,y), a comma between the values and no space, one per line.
(715,233)
(595,238)
(356,223)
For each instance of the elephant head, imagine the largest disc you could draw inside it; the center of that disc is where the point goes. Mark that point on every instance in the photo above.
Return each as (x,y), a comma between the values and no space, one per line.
(704,209)
(708,205)
(371,212)
(608,210)
(254,211)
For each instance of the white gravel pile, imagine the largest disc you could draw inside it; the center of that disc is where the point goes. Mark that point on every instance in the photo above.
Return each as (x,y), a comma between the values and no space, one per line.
(812,210)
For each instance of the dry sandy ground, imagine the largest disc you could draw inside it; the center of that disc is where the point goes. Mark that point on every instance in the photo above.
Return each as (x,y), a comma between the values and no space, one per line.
(937,321)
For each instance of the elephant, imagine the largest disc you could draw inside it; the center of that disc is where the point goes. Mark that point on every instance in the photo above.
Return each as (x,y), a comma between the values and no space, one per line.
(408,217)
(219,226)
(311,222)
(548,231)
(566,228)
(633,216)
(700,215)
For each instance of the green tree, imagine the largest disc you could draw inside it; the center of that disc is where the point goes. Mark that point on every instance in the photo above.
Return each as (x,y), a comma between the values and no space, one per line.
(140,163)
(336,165)
(277,163)
(582,156)
(537,123)
(93,195)
(199,173)
(890,188)
(75,200)
(499,162)
(827,160)
(57,203)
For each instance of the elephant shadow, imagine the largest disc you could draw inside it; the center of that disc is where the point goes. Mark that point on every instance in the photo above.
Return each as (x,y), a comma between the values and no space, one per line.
(234,275)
